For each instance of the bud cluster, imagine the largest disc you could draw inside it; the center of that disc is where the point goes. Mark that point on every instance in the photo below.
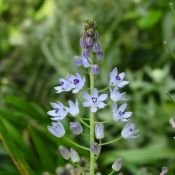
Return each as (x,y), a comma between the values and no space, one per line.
(89,44)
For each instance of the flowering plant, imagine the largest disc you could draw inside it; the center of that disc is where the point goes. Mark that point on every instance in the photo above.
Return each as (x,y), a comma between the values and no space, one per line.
(90,59)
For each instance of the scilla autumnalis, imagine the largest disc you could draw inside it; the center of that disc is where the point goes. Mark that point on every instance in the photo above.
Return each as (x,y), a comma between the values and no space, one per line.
(93,99)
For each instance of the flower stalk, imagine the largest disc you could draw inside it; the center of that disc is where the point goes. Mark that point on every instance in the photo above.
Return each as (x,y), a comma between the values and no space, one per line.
(92,158)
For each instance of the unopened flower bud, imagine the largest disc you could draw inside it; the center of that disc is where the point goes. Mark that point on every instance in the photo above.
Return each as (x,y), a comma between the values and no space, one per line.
(95,148)
(100,55)
(89,41)
(96,47)
(85,62)
(64,152)
(77,61)
(164,171)
(95,36)
(117,165)
(83,43)
(99,131)
(74,156)
(86,53)
(95,69)
(90,31)
(76,128)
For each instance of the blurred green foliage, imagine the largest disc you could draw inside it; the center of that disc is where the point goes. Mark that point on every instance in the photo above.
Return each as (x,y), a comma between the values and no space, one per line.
(38,41)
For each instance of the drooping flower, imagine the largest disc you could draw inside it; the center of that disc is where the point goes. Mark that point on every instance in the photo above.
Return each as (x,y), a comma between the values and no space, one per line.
(59,112)
(117,79)
(99,131)
(74,155)
(95,101)
(119,113)
(95,69)
(64,86)
(115,95)
(76,128)
(56,129)
(76,82)
(73,108)
(95,148)
(64,152)
(117,165)
(129,131)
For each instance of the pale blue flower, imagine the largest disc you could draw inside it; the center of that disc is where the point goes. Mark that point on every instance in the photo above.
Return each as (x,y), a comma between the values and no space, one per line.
(117,79)
(76,128)
(119,113)
(59,112)
(99,131)
(73,108)
(64,86)
(74,155)
(76,82)
(129,131)
(95,101)
(64,152)
(115,95)
(56,129)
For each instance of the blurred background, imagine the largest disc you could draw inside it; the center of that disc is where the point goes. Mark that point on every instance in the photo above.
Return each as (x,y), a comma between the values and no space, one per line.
(38,41)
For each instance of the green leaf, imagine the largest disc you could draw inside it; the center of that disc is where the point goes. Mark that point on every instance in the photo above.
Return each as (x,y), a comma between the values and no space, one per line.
(13,151)
(150,19)
(139,156)
(41,148)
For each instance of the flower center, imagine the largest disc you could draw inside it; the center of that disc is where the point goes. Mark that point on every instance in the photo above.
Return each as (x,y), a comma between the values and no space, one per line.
(61,83)
(94,99)
(121,113)
(56,110)
(117,78)
(76,81)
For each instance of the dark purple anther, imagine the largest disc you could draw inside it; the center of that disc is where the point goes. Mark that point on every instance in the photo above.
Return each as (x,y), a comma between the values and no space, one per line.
(121,113)
(117,78)
(76,81)
(61,83)
(56,110)
(94,99)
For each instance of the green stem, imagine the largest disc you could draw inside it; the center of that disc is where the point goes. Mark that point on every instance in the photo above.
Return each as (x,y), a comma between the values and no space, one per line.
(76,144)
(112,141)
(111,172)
(84,123)
(92,158)
(104,89)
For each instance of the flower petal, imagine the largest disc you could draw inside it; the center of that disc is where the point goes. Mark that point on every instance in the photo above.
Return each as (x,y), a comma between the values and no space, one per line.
(103,97)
